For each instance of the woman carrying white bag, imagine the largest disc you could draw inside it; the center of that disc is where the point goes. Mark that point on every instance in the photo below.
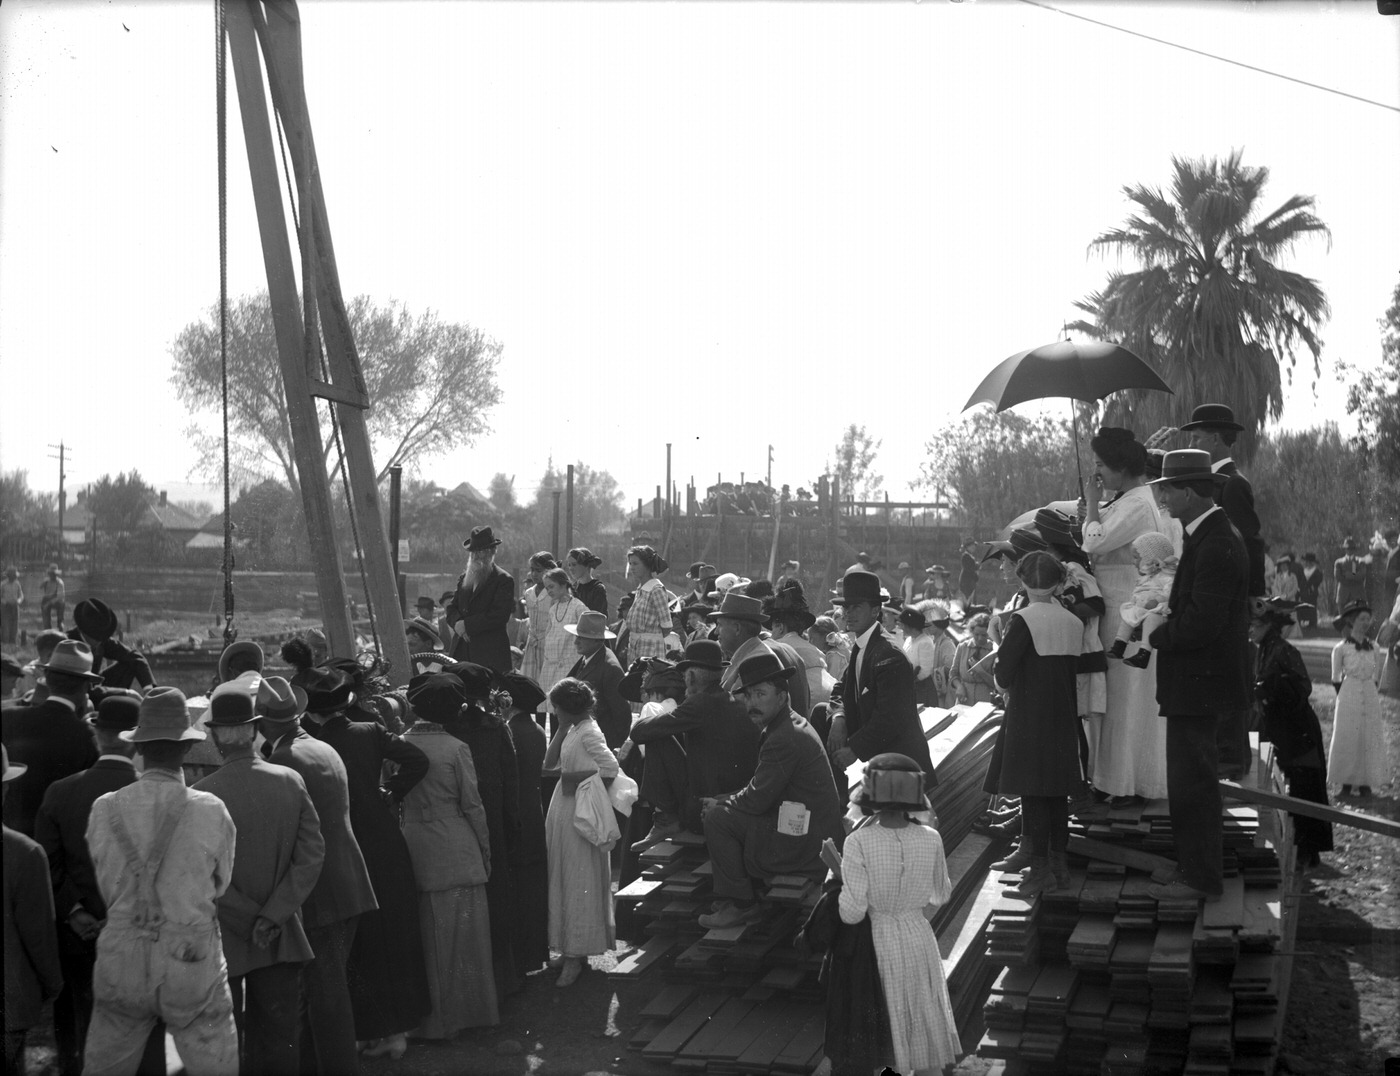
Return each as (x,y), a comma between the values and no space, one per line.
(580,876)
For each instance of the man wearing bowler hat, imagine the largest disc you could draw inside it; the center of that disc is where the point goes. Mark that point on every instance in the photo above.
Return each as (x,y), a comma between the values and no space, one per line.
(1204,680)
(878,712)
(61,829)
(51,737)
(704,747)
(163,856)
(481,608)
(1213,429)
(599,668)
(777,822)
(280,852)
(343,891)
(739,622)
(118,666)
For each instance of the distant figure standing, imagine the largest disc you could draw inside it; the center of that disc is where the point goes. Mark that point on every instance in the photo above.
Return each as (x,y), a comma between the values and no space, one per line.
(11,598)
(971,570)
(1312,593)
(1350,572)
(1357,752)
(52,598)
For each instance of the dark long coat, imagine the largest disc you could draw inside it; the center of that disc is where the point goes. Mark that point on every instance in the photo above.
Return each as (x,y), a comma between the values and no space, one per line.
(386,974)
(483,615)
(54,742)
(881,713)
(1040,733)
(498,781)
(530,865)
(1236,497)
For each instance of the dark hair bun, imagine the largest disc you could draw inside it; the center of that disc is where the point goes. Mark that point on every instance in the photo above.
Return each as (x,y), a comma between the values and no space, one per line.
(1116,434)
(571,696)
(1120,449)
(297,654)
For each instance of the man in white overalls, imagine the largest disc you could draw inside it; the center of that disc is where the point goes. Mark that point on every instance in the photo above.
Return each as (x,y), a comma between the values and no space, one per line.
(163,854)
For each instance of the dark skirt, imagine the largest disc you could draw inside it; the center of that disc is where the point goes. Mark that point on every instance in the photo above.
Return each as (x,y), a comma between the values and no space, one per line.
(531,867)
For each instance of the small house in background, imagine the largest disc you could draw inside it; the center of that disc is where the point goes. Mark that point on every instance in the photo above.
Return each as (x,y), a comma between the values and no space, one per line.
(211,535)
(179,524)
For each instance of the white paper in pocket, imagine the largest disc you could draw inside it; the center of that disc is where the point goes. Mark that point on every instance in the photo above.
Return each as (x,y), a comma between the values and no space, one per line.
(793,818)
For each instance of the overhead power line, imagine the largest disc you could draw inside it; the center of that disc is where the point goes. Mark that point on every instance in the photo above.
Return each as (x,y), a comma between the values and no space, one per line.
(1213,56)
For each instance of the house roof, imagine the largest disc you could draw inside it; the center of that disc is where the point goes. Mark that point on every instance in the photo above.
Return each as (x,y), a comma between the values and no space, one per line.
(171,517)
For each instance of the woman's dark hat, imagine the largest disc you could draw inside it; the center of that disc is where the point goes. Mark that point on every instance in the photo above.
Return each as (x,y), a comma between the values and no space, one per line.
(663,675)
(761,669)
(95,619)
(525,693)
(437,696)
(861,586)
(699,608)
(1187,465)
(1024,540)
(475,679)
(1212,417)
(327,690)
(912,618)
(1058,528)
(703,654)
(1275,610)
(892,782)
(424,629)
(1349,611)
(481,539)
(425,602)
(791,608)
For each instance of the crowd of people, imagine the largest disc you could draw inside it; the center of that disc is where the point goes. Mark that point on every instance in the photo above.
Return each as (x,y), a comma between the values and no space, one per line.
(289,874)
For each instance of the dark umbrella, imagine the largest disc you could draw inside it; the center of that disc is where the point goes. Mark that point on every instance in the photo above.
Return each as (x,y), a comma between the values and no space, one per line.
(1080,371)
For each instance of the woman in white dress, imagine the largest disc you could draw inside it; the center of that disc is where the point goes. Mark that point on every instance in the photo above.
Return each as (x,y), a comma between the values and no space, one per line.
(1357,752)
(558,654)
(893,870)
(580,877)
(536,603)
(1128,756)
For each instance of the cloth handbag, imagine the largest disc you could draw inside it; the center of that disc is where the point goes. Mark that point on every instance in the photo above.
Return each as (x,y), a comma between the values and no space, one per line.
(623,793)
(593,812)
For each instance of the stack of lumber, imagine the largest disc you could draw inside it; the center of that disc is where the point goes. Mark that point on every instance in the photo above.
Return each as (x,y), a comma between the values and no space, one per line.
(744,999)
(1137,985)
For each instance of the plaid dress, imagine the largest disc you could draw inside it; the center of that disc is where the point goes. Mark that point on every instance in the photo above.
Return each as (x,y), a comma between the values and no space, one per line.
(890,874)
(648,621)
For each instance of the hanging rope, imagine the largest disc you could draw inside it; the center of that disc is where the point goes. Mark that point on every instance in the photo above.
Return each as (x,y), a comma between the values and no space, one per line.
(312,340)
(230,633)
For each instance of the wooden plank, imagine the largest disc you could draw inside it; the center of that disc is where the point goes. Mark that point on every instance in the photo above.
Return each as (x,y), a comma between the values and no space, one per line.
(802,1046)
(636,963)
(713,1034)
(743,1035)
(680,1030)
(1337,815)
(1228,911)
(785,1020)
(668,1003)
(1161,868)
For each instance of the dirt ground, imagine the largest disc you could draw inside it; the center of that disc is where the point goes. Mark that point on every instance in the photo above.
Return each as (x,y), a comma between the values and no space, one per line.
(1343,1013)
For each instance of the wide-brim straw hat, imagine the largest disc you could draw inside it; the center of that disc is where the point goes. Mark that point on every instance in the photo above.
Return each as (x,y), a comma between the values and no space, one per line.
(74,657)
(591,625)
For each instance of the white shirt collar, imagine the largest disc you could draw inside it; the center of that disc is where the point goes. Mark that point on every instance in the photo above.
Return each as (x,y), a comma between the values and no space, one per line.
(117,758)
(1190,528)
(863,640)
(1221,463)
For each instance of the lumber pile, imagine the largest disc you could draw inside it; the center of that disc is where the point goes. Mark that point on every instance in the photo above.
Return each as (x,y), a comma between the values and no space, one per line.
(745,999)
(1101,978)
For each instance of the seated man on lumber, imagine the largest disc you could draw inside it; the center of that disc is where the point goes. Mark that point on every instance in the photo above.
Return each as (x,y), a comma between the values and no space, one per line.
(703,746)
(776,823)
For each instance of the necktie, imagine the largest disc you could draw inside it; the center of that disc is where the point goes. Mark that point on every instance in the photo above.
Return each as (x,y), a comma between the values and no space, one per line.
(855,662)
(266,749)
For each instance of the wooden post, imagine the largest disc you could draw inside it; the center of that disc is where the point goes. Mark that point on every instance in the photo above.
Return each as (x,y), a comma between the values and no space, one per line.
(668,493)
(554,547)
(889,531)
(773,550)
(719,524)
(287,321)
(569,512)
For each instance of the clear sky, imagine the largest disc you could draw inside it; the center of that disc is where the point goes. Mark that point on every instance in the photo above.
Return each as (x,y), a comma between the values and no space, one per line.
(719,225)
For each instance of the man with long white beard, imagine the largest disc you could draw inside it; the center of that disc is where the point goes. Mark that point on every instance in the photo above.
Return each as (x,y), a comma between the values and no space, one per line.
(482,606)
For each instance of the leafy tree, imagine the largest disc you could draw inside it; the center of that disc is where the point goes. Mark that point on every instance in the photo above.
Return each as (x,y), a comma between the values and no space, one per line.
(268,525)
(855,461)
(997,465)
(22,510)
(502,492)
(1211,309)
(1312,488)
(120,503)
(598,503)
(201,510)
(1374,397)
(431,385)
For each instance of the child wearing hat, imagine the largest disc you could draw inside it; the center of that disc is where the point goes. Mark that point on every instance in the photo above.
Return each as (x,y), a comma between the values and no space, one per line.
(1357,754)
(1141,614)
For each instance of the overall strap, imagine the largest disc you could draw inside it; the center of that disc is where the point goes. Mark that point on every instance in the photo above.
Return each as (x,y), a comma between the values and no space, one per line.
(148,910)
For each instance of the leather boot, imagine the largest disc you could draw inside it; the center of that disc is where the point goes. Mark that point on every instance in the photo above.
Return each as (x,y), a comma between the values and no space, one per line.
(1059,867)
(1017,860)
(1039,879)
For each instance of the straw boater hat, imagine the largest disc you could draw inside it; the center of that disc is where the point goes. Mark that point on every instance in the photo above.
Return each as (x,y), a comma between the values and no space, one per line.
(590,625)
(1212,417)
(761,669)
(164,715)
(71,656)
(937,569)
(740,607)
(481,539)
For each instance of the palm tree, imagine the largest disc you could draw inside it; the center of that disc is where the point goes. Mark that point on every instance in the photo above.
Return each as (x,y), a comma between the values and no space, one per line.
(1211,309)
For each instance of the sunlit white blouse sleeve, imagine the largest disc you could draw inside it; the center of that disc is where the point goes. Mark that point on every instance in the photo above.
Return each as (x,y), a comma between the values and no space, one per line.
(1121,522)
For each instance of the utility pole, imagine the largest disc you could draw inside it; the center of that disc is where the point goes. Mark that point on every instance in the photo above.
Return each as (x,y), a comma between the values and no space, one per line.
(770,466)
(555,544)
(568,512)
(62,494)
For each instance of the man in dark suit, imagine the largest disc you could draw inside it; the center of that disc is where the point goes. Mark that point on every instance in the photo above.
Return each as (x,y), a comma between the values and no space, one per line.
(341,894)
(481,608)
(705,746)
(1203,673)
(277,864)
(777,822)
(61,830)
(52,738)
(116,665)
(599,668)
(1213,429)
(877,712)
